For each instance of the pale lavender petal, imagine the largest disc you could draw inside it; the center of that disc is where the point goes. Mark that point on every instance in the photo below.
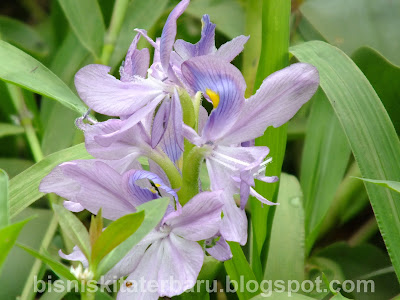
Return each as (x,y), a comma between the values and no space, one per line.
(221,250)
(73,206)
(160,123)
(261,198)
(205,46)
(91,183)
(75,255)
(131,143)
(177,116)
(191,135)
(169,33)
(132,177)
(127,125)
(136,61)
(146,36)
(146,271)
(203,117)
(231,49)
(210,74)
(268,179)
(105,94)
(280,96)
(234,223)
(181,261)
(200,218)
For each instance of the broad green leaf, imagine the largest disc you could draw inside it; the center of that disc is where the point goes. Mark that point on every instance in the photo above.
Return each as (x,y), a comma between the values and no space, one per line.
(140,14)
(21,69)
(339,297)
(228,15)
(73,228)
(23,36)
(4,202)
(32,235)
(8,236)
(239,270)
(274,295)
(59,122)
(287,262)
(324,161)
(116,233)
(24,188)
(9,129)
(381,74)
(56,266)
(14,166)
(356,264)
(154,212)
(274,56)
(86,20)
(393,185)
(352,24)
(375,145)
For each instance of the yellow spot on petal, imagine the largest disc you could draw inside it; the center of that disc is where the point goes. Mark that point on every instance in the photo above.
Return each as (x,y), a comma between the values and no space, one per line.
(213,96)
(153,191)
(158,185)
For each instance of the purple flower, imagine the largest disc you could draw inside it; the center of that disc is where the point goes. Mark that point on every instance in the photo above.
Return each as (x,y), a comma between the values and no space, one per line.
(236,120)
(170,254)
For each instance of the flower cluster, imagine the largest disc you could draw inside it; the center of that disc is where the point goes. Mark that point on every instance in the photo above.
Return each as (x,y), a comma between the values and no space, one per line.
(160,117)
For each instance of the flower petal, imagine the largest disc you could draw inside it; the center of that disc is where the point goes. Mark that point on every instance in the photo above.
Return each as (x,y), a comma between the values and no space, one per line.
(200,218)
(136,61)
(73,206)
(75,255)
(234,223)
(221,250)
(278,99)
(221,81)
(231,49)
(160,123)
(169,33)
(182,261)
(205,46)
(107,95)
(91,183)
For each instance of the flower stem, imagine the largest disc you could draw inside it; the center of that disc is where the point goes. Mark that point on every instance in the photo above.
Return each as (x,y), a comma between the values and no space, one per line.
(168,167)
(190,174)
(117,19)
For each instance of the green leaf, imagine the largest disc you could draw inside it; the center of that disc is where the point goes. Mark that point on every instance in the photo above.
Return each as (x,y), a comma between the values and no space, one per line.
(4,202)
(281,296)
(116,233)
(228,15)
(59,121)
(375,145)
(239,270)
(24,188)
(9,129)
(14,166)
(356,264)
(86,21)
(8,236)
(56,266)
(324,161)
(140,14)
(21,69)
(352,24)
(23,36)
(381,74)
(287,263)
(154,212)
(73,228)
(393,185)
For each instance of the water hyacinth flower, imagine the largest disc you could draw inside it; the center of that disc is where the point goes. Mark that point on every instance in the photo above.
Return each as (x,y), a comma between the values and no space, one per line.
(148,101)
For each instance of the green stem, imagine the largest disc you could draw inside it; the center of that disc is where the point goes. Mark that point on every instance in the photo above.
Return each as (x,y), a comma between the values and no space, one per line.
(190,174)
(27,292)
(26,121)
(87,295)
(168,167)
(274,56)
(117,19)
